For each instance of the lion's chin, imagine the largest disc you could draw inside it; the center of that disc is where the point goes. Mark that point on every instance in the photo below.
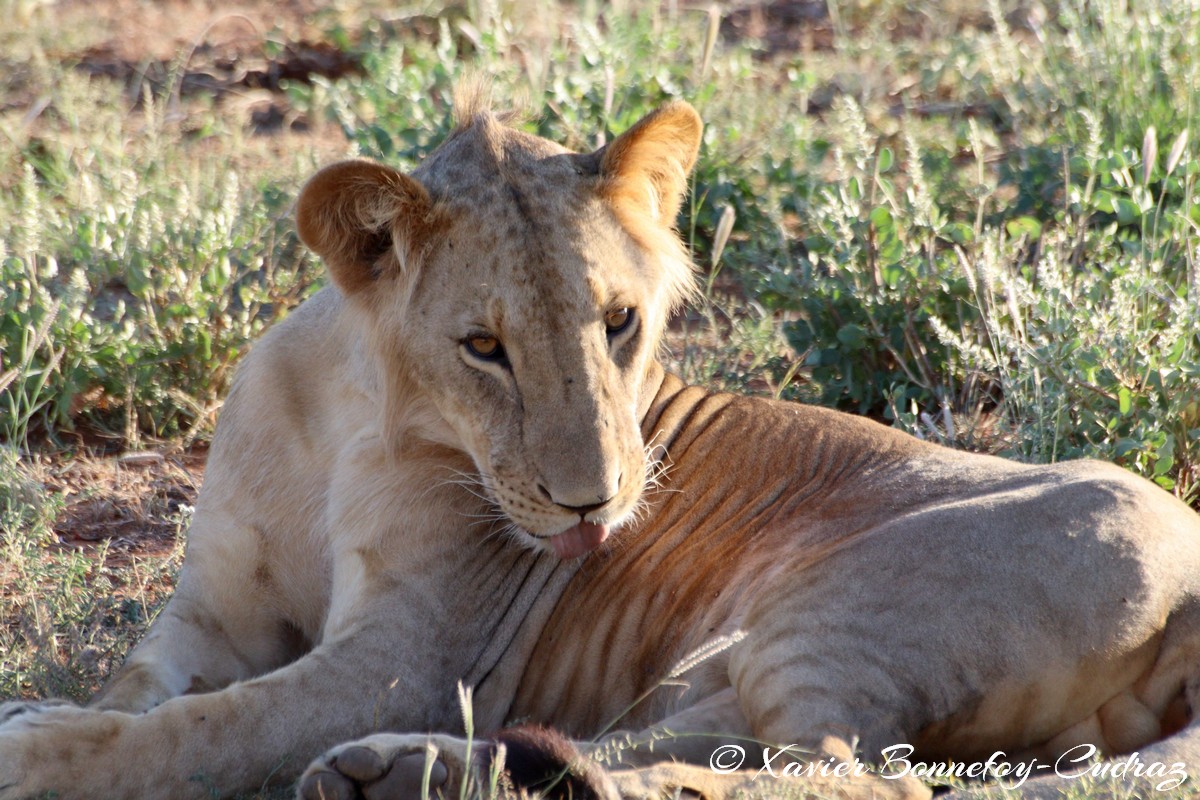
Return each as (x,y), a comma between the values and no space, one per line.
(578,540)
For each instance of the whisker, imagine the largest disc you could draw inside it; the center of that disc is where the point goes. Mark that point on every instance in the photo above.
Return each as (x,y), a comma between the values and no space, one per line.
(486,521)
(492,514)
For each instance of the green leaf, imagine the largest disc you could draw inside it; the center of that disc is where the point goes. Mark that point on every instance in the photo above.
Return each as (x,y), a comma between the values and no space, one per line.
(884,162)
(891,252)
(1124,401)
(1163,465)
(853,336)
(958,232)
(1125,447)
(1024,226)
(881,218)
(1166,457)
(1177,350)
(205,344)
(892,274)
(1127,211)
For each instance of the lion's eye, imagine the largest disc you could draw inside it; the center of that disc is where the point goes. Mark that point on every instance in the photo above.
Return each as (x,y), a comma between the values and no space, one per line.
(617,320)
(486,347)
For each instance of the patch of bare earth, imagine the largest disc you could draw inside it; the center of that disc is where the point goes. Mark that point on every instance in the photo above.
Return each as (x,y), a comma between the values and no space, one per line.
(132,503)
(239,53)
(235,56)
(118,512)
(120,508)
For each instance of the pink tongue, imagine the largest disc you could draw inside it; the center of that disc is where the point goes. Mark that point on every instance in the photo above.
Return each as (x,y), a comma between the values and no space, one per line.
(579,541)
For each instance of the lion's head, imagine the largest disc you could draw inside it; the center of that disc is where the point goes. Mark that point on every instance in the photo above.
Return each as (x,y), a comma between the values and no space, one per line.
(524,289)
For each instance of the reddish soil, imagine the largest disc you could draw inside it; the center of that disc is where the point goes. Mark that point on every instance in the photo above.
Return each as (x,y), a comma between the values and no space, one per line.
(133,502)
(241,51)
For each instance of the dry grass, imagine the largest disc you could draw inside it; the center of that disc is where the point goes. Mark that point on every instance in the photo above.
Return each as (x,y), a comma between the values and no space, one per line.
(89,550)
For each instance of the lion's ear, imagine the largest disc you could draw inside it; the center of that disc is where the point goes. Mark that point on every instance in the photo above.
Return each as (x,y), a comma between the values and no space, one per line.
(363,219)
(647,166)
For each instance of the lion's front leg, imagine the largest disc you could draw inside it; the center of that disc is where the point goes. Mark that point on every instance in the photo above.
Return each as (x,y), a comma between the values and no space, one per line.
(219,743)
(34,735)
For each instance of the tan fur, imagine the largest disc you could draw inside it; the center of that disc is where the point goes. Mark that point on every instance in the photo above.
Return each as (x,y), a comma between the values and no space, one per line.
(375,521)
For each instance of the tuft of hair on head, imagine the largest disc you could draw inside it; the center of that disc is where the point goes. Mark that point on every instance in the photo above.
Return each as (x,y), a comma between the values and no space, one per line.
(472,100)
(474,105)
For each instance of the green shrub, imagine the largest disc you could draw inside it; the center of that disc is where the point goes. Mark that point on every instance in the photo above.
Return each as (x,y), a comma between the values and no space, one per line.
(131,285)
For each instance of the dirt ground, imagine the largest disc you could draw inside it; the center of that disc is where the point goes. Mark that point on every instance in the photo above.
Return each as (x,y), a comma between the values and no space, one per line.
(133,501)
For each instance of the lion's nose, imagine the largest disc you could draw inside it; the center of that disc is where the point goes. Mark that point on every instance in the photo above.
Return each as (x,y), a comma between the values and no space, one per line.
(583,511)
(572,503)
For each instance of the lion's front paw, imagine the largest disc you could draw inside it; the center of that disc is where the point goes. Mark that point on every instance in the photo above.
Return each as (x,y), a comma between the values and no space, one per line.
(519,761)
(388,767)
(19,744)
(27,709)
(48,747)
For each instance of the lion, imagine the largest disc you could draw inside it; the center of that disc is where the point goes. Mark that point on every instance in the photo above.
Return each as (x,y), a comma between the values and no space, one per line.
(462,464)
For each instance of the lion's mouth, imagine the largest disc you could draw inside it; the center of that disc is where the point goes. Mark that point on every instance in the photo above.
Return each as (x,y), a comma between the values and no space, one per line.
(578,540)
